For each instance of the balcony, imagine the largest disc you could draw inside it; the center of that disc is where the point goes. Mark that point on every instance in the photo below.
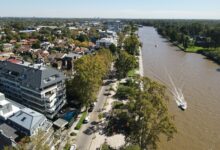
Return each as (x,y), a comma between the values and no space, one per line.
(50,97)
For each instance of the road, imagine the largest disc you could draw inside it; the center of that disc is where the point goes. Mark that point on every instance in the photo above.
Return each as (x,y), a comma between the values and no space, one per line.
(84,140)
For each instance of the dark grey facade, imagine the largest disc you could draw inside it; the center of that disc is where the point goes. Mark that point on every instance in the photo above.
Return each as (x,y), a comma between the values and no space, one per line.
(35,86)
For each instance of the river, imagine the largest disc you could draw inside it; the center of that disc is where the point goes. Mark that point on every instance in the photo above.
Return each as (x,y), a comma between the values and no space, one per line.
(199,126)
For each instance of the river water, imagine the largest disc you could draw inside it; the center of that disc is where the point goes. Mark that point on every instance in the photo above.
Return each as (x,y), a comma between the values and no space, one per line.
(199,126)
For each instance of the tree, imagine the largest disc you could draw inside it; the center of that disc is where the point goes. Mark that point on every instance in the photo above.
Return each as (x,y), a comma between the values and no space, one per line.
(124,92)
(1,47)
(131,147)
(89,72)
(148,116)
(173,36)
(131,45)
(82,38)
(145,117)
(38,141)
(113,48)
(124,63)
(24,35)
(186,42)
(121,37)
(36,45)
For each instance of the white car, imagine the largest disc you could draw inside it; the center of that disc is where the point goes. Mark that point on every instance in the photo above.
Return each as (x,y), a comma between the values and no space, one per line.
(73,147)
(86,120)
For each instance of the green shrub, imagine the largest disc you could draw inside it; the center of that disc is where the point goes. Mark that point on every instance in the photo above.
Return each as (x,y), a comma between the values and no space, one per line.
(73,134)
(124,92)
(79,124)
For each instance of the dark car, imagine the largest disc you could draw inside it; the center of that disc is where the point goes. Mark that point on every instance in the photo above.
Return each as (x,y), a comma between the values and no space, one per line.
(90,109)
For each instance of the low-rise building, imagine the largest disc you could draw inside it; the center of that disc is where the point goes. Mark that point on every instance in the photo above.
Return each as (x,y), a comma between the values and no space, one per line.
(8,47)
(69,59)
(106,42)
(28,121)
(25,122)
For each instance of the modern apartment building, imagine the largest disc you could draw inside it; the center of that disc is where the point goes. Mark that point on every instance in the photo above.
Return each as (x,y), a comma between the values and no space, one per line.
(33,85)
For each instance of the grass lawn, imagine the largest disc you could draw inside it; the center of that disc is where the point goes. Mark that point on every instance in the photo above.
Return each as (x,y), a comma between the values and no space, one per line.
(132,73)
(194,49)
(191,49)
(79,124)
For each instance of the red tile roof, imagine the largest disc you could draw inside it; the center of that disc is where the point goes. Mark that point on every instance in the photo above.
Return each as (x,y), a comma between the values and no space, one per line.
(13,60)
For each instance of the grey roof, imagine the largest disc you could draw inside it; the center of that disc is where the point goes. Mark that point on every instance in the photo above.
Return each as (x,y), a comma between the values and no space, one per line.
(60,123)
(32,76)
(72,55)
(8,131)
(28,119)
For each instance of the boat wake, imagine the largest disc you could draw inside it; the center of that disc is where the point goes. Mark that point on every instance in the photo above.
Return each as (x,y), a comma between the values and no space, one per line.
(178,95)
(176,92)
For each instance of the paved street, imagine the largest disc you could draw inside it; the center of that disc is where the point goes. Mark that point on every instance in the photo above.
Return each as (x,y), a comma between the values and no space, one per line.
(84,140)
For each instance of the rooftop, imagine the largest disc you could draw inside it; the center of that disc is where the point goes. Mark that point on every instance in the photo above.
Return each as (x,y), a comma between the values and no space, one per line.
(8,131)
(34,76)
(61,123)
(7,109)
(28,118)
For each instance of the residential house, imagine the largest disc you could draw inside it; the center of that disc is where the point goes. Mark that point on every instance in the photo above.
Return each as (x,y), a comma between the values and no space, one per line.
(8,47)
(106,42)
(69,59)
(46,45)
(56,60)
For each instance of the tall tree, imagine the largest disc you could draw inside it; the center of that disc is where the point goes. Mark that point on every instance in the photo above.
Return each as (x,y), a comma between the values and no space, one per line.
(145,117)
(148,116)
(131,44)
(124,63)
(89,72)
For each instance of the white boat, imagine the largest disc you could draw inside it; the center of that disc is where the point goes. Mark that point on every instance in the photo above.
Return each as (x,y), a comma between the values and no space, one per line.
(181,103)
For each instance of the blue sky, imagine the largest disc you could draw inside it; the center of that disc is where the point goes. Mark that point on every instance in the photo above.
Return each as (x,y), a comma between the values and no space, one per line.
(171,9)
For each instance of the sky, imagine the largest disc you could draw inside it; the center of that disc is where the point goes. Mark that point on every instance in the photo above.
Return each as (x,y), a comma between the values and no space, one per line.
(143,9)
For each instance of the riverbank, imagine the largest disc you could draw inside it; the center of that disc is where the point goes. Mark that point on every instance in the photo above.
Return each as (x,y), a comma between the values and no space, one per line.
(211,53)
(140,61)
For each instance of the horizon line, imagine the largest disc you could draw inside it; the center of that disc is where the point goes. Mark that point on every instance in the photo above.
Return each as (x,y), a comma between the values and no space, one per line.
(121,18)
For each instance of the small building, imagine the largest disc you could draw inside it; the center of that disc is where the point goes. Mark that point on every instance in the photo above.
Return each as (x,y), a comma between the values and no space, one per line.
(8,47)
(7,109)
(6,55)
(28,121)
(46,45)
(60,123)
(27,31)
(69,59)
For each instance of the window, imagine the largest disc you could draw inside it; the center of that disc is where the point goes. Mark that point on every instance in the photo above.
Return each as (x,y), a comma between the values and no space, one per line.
(23,119)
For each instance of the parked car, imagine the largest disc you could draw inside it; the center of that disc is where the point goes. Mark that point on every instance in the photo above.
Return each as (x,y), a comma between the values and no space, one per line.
(86,120)
(90,109)
(73,147)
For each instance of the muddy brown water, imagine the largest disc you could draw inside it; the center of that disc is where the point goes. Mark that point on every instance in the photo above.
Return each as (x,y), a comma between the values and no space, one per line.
(199,126)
